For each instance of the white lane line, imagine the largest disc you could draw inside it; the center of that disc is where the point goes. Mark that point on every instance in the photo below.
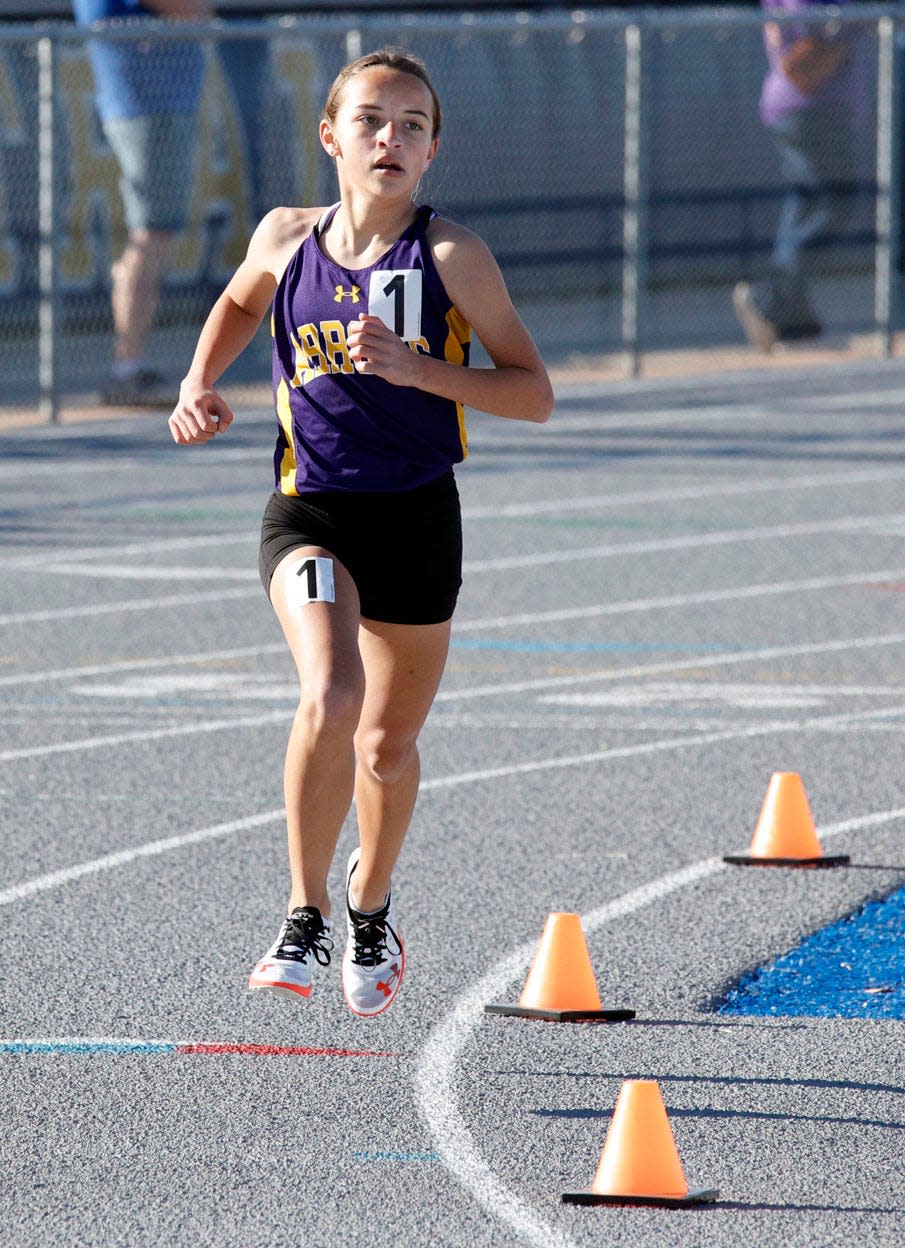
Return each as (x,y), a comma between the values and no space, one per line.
(863,398)
(768,431)
(435,1077)
(611,550)
(129,604)
(694,541)
(679,665)
(525,686)
(95,866)
(30,562)
(149,572)
(627,607)
(43,883)
(628,499)
(205,658)
(156,734)
(596,502)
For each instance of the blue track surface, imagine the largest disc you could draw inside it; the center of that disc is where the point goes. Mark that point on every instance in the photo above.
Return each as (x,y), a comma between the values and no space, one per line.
(853,969)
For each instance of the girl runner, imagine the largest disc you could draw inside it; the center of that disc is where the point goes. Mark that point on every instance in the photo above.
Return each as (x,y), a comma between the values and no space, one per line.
(372,304)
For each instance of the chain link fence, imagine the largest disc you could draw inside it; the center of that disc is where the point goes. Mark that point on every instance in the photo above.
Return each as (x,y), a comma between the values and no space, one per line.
(616,163)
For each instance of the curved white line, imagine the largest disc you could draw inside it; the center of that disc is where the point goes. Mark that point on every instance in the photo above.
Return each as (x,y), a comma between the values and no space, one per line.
(435,1075)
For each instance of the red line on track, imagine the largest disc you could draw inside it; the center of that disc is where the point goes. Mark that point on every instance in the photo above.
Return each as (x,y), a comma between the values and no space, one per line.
(276,1050)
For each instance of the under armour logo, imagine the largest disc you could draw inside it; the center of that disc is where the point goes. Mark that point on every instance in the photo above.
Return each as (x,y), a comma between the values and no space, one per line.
(346,294)
(387,988)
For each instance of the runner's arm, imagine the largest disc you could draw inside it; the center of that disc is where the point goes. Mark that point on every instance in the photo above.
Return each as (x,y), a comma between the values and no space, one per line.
(231,325)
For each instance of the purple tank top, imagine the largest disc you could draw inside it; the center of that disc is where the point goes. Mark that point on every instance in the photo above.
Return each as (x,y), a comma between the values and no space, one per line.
(343,430)
(844,90)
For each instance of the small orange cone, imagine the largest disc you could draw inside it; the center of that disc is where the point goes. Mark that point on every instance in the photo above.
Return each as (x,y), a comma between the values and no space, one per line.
(561,986)
(640,1163)
(785,835)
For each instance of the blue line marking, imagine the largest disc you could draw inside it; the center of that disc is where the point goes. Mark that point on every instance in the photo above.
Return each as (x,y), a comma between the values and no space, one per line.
(578,647)
(852,969)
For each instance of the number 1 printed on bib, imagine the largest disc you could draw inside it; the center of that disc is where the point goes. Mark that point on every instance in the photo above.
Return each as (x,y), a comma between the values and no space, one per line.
(395,297)
(308,579)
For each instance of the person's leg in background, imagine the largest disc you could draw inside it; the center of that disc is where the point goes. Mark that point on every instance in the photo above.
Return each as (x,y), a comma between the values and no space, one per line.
(155,155)
(815,152)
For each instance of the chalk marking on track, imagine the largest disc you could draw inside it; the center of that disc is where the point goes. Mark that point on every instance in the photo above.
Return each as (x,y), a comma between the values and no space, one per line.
(553,682)
(435,1074)
(717,489)
(628,606)
(66,1045)
(611,550)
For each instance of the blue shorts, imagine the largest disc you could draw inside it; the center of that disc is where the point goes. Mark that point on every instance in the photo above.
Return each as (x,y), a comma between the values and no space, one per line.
(403,550)
(156,157)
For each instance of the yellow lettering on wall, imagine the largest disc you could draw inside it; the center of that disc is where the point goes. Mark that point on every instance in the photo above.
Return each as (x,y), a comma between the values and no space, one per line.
(301,86)
(218,182)
(95,173)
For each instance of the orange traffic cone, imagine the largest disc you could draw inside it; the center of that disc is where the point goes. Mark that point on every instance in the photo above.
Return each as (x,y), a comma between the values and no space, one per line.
(785,835)
(561,986)
(640,1163)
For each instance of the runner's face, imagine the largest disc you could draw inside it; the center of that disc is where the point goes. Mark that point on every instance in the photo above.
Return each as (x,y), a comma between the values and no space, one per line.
(381,137)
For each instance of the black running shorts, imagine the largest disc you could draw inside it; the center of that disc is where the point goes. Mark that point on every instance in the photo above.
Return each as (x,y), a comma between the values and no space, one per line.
(403,550)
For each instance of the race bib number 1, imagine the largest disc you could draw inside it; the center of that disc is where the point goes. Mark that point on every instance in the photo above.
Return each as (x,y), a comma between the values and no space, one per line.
(395,297)
(309,579)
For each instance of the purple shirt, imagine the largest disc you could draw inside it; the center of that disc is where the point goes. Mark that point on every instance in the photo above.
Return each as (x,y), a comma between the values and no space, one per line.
(343,430)
(779,97)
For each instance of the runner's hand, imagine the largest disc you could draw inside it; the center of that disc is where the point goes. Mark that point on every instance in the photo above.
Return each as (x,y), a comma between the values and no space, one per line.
(374,348)
(199,415)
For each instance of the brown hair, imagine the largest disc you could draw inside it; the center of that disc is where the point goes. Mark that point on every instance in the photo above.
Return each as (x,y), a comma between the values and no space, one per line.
(384,58)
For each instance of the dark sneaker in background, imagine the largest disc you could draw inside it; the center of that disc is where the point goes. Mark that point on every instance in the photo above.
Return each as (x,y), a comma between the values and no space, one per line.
(144,388)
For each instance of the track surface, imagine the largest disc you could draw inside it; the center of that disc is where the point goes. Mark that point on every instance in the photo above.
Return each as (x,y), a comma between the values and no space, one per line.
(671,591)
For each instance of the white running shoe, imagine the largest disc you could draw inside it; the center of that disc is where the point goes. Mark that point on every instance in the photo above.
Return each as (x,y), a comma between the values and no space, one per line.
(288,965)
(374,959)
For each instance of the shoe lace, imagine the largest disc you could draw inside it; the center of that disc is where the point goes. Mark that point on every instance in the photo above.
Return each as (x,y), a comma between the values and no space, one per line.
(371,936)
(303,934)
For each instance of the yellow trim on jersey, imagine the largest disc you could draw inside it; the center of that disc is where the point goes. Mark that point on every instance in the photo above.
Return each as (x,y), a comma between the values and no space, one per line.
(289,463)
(454,352)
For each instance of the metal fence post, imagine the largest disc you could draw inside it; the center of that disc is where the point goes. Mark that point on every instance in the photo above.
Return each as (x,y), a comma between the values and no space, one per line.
(888,196)
(48,244)
(635,210)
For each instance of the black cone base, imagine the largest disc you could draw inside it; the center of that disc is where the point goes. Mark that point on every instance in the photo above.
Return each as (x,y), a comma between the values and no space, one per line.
(560,1016)
(750,860)
(698,1196)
